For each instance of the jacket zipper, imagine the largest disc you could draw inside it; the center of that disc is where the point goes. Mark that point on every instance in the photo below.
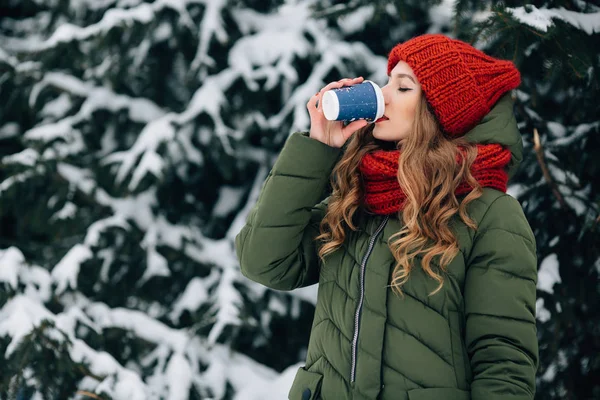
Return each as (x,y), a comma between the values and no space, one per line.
(361,298)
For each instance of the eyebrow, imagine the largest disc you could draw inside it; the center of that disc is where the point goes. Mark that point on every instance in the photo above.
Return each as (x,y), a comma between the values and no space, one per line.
(406,76)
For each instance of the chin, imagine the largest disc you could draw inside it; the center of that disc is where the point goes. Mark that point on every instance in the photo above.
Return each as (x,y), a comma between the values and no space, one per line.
(378,134)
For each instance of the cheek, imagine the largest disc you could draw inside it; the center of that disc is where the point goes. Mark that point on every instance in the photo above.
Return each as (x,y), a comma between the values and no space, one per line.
(411,110)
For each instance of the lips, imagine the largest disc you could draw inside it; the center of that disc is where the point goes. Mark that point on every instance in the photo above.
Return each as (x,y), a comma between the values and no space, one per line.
(384,118)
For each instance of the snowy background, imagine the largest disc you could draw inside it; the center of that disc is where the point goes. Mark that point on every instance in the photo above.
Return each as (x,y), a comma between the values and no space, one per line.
(135,137)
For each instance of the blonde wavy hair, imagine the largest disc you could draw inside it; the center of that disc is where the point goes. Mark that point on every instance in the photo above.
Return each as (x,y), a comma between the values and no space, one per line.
(429,174)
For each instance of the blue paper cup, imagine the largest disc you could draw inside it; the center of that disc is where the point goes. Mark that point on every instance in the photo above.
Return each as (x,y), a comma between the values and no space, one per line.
(361,101)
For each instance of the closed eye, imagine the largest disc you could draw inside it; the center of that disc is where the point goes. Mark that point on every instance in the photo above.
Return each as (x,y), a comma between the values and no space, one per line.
(404,89)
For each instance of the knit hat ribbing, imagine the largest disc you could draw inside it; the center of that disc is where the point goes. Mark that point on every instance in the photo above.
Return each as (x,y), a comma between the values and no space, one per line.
(460,83)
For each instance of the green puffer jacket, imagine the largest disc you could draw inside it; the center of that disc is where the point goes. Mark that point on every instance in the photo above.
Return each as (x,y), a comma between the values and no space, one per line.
(474,339)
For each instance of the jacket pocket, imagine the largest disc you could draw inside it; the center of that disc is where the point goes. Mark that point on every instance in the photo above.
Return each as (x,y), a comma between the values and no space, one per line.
(306,386)
(439,393)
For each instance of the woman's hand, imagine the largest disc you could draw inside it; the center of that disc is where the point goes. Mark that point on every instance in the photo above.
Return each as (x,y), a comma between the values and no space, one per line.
(332,133)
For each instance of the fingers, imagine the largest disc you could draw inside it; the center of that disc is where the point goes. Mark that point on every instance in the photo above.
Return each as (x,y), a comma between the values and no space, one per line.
(312,104)
(342,83)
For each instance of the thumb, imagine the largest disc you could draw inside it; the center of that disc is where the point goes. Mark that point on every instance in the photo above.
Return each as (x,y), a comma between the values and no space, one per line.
(352,127)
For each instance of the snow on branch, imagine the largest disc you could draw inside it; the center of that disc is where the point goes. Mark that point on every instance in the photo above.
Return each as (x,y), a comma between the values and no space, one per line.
(66,272)
(11,262)
(139,323)
(227,306)
(143,13)
(578,133)
(209,98)
(22,314)
(542,18)
(211,24)
(96,98)
(19,178)
(154,133)
(243,373)
(195,294)
(156,264)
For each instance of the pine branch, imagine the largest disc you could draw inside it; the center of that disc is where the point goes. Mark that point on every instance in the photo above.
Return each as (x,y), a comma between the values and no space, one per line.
(539,152)
(89,394)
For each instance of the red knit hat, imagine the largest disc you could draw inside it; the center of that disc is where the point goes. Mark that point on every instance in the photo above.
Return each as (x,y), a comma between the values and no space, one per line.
(460,83)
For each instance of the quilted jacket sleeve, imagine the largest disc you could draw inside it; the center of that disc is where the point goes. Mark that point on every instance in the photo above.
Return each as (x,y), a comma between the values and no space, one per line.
(276,246)
(500,295)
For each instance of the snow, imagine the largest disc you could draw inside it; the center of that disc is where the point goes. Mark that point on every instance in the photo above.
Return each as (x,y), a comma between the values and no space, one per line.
(38,283)
(78,177)
(150,163)
(355,20)
(9,130)
(228,304)
(113,17)
(542,313)
(14,271)
(516,190)
(11,260)
(242,215)
(556,129)
(277,388)
(96,98)
(250,52)
(68,211)
(18,178)
(308,293)
(244,374)
(211,25)
(154,133)
(27,157)
(228,201)
(542,18)
(548,274)
(440,15)
(156,266)
(51,131)
(579,133)
(210,99)
(7,58)
(66,271)
(80,6)
(139,323)
(293,22)
(179,376)
(18,317)
(58,107)
(120,383)
(194,295)
(550,373)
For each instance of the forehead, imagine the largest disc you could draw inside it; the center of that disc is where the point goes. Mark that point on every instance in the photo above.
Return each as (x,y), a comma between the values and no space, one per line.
(403,68)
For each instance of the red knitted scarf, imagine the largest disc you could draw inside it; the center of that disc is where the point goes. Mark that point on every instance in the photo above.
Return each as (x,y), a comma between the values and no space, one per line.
(383,194)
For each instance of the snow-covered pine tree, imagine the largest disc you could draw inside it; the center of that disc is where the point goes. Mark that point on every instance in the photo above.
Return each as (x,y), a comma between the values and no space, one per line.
(134,138)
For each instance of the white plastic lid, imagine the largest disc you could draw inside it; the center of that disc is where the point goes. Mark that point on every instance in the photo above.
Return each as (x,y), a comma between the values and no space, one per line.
(331,105)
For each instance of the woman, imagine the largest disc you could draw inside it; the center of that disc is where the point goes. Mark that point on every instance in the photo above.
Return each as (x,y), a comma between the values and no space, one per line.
(427,270)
